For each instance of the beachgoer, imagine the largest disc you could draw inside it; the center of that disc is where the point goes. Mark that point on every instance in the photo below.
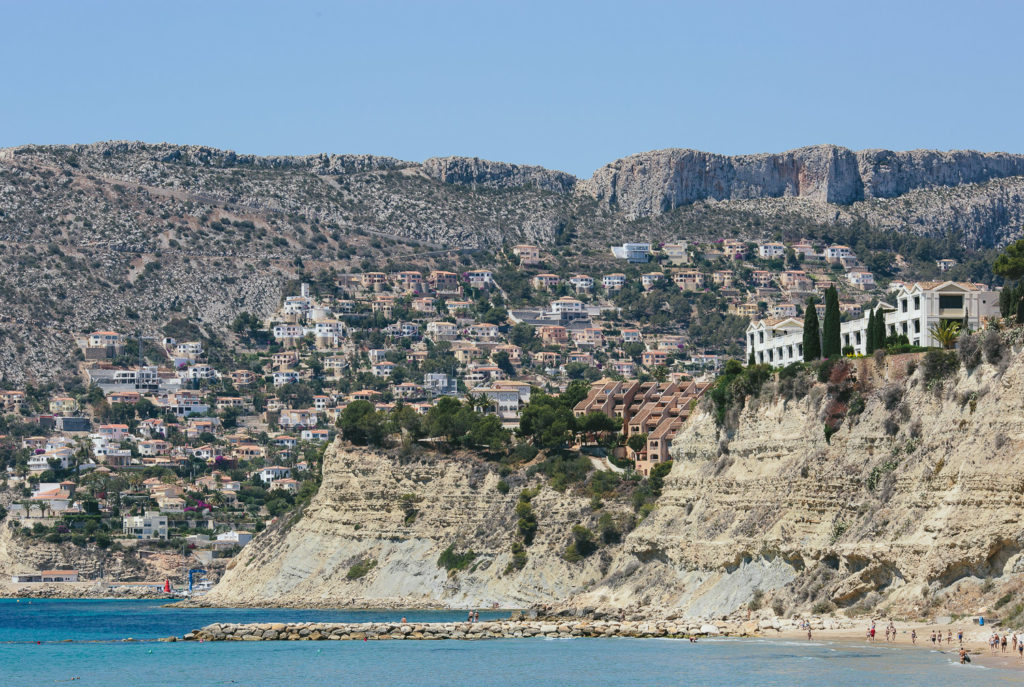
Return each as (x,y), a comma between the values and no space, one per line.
(962,655)
(867,635)
(872,632)
(933,637)
(404,621)
(476,616)
(949,637)
(1004,643)
(469,618)
(960,636)
(913,636)
(808,633)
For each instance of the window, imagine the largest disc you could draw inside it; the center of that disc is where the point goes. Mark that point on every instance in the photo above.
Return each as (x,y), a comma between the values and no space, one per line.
(903,304)
(951,302)
(917,302)
(917,326)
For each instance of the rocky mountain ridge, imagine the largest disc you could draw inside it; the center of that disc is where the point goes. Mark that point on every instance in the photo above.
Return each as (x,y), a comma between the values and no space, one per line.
(143,233)
(660,181)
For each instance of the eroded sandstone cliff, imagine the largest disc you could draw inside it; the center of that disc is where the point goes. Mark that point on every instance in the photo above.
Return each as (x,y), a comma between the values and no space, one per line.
(913,504)
(396,518)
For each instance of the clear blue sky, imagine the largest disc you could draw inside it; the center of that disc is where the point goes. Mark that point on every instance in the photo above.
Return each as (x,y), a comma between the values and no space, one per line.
(568,85)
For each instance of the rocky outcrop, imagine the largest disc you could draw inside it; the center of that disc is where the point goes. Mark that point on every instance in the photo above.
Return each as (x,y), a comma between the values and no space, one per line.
(910,507)
(659,181)
(375,531)
(912,504)
(477,173)
(205,156)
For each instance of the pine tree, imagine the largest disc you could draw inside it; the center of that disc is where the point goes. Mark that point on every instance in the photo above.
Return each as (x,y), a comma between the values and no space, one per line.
(830,340)
(750,360)
(1020,311)
(812,337)
(869,335)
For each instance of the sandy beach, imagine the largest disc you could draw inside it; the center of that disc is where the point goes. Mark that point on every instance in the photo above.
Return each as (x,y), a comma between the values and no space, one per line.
(975,640)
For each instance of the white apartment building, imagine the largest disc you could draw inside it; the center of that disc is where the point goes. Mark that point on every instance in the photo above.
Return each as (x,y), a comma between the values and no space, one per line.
(633,252)
(677,253)
(919,308)
(769,251)
(152,525)
(613,282)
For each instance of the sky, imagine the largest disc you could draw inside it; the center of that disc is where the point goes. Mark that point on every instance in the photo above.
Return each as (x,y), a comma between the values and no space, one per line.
(566,85)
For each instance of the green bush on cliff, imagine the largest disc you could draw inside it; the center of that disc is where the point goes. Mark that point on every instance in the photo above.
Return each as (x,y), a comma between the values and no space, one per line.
(450,560)
(937,365)
(582,544)
(361,569)
(735,385)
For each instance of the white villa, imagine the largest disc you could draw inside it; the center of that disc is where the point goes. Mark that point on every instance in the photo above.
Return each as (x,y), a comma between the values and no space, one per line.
(918,308)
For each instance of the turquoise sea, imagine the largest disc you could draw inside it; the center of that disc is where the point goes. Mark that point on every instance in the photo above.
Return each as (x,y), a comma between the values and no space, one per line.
(97,655)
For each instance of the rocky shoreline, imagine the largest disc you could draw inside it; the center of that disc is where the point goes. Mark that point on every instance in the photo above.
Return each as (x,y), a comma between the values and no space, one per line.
(500,629)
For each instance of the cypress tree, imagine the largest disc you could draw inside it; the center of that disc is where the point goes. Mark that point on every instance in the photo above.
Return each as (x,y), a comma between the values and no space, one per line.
(880,330)
(831,344)
(1020,311)
(812,337)
(869,335)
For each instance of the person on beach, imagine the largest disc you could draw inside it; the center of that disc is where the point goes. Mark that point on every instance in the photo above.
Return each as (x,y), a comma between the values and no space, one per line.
(808,632)
(1020,651)
(933,637)
(469,618)
(960,636)
(404,621)
(1013,645)
(913,637)
(867,635)
(1004,643)
(476,616)
(963,655)
(949,637)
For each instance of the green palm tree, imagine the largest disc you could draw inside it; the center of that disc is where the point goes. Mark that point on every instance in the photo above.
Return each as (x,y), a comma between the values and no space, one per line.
(946,333)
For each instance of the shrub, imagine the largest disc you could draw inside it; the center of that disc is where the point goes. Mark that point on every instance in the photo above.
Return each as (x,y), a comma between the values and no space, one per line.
(503,486)
(992,347)
(778,607)
(857,404)
(606,526)
(756,600)
(361,569)
(892,394)
(823,607)
(518,561)
(969,350)
(450,560)
(582,544)
(938,365)
(526,525)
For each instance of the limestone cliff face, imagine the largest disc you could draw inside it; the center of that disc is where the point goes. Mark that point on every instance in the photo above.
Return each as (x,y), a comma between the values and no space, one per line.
(912,504)
(658,181)
(359,514)
(474,172)
(898,514)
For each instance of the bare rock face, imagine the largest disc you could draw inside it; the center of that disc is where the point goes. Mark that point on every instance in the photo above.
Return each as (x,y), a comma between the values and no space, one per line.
(659,181)
(887,174)
(396,517)
(474,172)
(900,508)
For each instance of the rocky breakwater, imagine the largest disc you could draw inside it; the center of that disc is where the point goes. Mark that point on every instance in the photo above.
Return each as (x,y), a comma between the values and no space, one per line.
(505,629)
